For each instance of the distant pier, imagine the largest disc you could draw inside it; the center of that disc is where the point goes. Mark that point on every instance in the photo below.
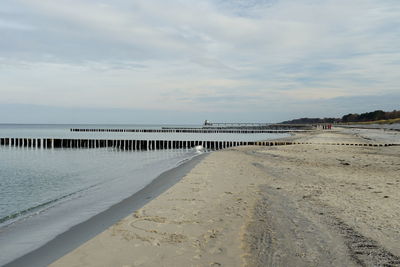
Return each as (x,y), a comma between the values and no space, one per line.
(143,145)
(258,126)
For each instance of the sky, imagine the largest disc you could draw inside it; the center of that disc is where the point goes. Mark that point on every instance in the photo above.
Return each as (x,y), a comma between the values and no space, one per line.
(184,61)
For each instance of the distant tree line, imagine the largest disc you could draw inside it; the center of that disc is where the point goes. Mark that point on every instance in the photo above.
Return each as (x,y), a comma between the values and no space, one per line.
(371,116)
(352,117)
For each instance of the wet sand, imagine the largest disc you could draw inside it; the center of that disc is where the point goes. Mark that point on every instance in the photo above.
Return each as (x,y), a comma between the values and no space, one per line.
(298,205)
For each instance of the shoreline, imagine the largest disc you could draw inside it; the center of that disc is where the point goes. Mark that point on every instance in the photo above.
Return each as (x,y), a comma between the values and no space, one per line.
(303,205)
(82,232)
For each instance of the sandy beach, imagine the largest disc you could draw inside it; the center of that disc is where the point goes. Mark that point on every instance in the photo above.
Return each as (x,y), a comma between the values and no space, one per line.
(297,205)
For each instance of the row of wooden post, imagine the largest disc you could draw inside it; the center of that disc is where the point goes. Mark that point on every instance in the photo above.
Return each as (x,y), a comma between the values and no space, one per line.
(150,144)
(185,130)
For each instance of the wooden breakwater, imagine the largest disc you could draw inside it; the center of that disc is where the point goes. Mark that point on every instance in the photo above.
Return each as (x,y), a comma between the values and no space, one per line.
(124,144)
(187,130)
(51,143)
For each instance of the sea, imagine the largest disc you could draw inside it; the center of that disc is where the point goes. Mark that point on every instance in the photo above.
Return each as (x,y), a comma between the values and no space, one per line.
(45,192)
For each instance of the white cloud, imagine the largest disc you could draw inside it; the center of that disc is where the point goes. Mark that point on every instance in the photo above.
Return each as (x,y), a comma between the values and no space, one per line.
(191,54)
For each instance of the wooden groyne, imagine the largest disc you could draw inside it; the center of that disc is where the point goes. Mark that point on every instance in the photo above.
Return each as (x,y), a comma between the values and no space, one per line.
(187,130)
(117,143)
(51,143)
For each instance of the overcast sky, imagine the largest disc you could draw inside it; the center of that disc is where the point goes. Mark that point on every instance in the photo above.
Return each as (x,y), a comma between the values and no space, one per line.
(182,61)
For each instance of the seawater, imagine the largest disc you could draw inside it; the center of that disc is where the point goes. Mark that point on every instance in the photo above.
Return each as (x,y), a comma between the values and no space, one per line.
(63,131)
(45,192)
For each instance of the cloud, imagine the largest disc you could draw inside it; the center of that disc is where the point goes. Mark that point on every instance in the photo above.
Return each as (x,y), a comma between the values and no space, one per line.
(12,25)
(191,55)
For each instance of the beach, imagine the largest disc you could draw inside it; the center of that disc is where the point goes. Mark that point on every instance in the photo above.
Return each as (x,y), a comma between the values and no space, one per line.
(199,133)
(297,205)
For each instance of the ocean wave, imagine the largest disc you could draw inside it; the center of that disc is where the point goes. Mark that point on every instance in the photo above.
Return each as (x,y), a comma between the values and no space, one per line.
(40,207)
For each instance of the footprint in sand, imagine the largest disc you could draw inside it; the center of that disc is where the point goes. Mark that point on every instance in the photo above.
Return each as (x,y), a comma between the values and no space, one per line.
(147,229)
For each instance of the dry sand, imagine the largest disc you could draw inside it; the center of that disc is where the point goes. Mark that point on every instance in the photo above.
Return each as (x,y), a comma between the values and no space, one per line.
(299,205)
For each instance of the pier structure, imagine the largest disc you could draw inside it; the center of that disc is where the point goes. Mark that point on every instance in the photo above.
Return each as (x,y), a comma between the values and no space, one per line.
(258,126)
(140,145)
(235,124)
